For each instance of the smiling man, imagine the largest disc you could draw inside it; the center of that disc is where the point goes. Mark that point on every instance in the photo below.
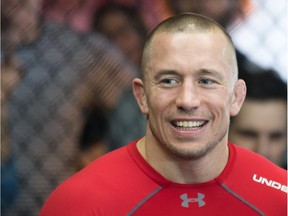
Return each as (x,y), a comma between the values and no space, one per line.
(184,165)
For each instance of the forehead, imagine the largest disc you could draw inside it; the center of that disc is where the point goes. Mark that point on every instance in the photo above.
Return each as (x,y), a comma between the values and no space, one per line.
(190,49)
(191,38)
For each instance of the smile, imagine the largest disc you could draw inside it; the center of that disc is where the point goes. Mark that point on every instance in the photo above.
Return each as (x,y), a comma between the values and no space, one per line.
(188,125)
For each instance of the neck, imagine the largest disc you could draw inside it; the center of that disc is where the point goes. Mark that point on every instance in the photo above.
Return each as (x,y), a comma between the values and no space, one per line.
(184,171)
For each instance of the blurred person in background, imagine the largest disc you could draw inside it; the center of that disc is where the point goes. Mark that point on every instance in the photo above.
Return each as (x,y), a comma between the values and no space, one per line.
(78,14)
(124,26)
(261,125)
(11,74)
(75,13)
(65,75)
(9,181)
(122,23)
(93,140)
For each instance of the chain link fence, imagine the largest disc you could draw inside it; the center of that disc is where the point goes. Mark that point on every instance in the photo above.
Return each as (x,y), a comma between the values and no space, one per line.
(65,75)
(262,35)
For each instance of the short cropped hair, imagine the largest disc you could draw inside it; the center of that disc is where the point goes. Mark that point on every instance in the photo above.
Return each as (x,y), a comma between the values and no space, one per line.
(187,23)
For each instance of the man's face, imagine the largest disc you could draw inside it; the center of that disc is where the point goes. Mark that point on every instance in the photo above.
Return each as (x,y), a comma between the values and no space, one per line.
(261,127)
(189,92)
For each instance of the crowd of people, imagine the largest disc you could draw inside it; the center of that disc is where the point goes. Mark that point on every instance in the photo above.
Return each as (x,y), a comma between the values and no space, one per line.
(67,97)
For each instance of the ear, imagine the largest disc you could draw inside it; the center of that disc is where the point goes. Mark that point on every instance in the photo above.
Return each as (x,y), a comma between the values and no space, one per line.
(140,95)
(238,98)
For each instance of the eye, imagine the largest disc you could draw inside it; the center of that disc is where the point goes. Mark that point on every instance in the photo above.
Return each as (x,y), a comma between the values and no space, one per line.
(206,81)
(169,82)
(277,135)
(249,134)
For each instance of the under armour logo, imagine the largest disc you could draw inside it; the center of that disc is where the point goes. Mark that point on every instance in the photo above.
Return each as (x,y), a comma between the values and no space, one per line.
(186,200)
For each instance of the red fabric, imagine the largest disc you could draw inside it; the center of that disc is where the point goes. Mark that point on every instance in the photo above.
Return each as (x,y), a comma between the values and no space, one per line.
(123,183)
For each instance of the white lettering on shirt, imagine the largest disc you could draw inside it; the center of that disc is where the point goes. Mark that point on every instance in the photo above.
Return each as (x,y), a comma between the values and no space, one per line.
(270,183)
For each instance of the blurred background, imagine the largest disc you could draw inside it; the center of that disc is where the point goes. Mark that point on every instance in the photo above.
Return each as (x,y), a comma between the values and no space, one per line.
(66,72)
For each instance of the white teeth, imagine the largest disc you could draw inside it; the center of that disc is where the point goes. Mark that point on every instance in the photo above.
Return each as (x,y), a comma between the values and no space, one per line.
(189,124)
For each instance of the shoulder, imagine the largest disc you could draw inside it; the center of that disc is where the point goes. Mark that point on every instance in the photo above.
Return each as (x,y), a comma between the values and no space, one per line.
(256,180)
(98,173)
(107,179)
(87,188)
(256,163)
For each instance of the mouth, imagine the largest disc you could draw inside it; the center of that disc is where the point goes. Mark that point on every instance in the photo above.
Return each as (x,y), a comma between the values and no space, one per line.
(189,125)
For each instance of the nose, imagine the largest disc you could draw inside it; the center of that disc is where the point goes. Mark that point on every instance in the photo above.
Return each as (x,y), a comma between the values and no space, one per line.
(188,97)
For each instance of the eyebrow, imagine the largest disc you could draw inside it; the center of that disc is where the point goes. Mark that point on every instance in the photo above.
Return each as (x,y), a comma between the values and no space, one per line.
(248,132)
(164,72)
(200,72)
(210,72)
(254,133)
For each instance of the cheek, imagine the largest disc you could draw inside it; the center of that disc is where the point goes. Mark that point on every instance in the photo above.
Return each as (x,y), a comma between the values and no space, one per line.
(161,99)
(157,104)
(219,105)
(278,146)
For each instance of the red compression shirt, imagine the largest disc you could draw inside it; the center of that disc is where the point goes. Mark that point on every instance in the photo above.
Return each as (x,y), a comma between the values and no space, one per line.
(123,183)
